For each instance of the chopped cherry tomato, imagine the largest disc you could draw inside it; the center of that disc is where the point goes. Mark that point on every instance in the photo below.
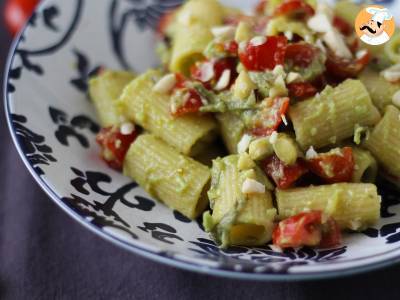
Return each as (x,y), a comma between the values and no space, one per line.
(301,90)
(301,54)
(265,56)
(17,12)
(270,117)
(191,105)
(114,145)
(334,166)
(303,229)
(297,9)
(342,25)
(201,70)
(343,68)
(331,235)
(232,48)
(284,176)
(307,229)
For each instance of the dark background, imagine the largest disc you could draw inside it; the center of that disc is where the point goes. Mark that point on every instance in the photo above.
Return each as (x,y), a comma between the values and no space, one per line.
(45,254)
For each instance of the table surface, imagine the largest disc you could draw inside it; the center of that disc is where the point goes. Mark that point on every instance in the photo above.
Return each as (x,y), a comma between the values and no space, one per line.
(45,254)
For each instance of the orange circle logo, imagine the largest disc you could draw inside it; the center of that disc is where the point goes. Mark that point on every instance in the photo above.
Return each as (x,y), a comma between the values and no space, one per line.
(375,25)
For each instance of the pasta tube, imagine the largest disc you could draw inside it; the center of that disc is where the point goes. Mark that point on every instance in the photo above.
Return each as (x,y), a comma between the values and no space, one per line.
(178,181)
(380,90)
(384,141)
(365,168)
(104,91)
(149,109)
(188,45)
(331,116)
(354,206)
(206,12)
(243,212)
(232,129)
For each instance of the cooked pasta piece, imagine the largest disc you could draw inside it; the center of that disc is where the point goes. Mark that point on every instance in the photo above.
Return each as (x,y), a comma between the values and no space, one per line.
(188,45)
(242,208)
(384,141)
(365,168)
(354,206)
(192,32)
(206,12)
(149,109)
(331,116)
(104,91)
(177,180)
(380,90)
(232,129)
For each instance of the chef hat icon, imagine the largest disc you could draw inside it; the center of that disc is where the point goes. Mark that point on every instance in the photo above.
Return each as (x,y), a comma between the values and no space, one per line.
(379,14)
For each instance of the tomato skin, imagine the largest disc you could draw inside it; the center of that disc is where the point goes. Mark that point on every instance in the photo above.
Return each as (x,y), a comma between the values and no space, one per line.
(297,9)
(266,56)
(343,68)
(113,152)
(301,90)
(17,12)
(303,229)
(342,25)
(284,176)
(192,104)
(301,54)
(273,115)
(307,229)
(341,166)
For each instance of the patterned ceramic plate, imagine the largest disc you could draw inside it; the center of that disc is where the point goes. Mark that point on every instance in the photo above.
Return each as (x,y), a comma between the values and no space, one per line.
(53,125)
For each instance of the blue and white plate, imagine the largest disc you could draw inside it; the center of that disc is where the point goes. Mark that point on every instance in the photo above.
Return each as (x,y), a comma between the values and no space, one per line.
(53,125)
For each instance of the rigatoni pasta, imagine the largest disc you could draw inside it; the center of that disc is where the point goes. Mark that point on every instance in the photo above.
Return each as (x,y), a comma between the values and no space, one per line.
(239,216)
(149,109)
(380,90)
(354,206)
(384,141)
(177,180)
(104,91)
(331,116)
(366,166)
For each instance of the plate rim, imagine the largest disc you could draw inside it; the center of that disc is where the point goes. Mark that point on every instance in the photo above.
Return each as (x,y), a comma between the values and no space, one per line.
(137,249)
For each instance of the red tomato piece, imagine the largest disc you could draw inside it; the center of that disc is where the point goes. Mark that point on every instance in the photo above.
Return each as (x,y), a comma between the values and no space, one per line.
(342,25)
(301,90)
(114,145)
(191,105)
(17,12)
(331,234)
(284,176)
(271,117)
(232,48)
(333,167)
(199,71)
(297,9)
(301,54)
(266,56)
(343,68)
(303,229)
